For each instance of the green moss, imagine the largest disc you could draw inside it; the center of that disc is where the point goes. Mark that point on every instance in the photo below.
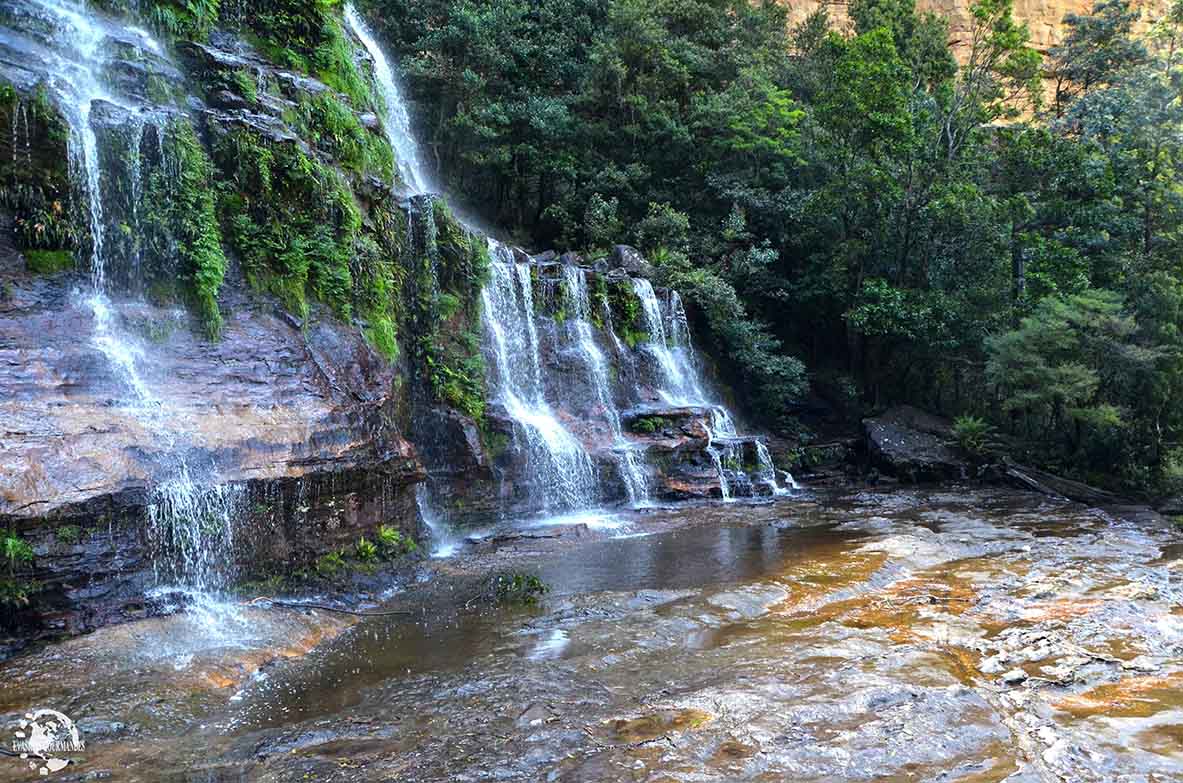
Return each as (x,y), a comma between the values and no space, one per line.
(599,301)
(49,262)
(180,219)
(308,36)
(68,534)
(245,85)
(336,129)
(34,172)
(192,19)
(626,312)
(162,91)
(335,64)
(648,425)
(444,308)
(292,220)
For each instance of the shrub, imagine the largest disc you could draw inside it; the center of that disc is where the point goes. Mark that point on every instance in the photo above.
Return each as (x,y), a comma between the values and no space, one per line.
(519,589)
(392,543)
(366,550)
(971,433)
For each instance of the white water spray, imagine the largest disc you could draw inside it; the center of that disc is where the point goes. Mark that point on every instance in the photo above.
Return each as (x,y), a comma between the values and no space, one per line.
(629,461)
(396,120)
(556,458)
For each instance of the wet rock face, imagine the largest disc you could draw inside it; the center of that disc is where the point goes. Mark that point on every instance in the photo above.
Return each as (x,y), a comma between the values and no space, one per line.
(913,446)
(300,421)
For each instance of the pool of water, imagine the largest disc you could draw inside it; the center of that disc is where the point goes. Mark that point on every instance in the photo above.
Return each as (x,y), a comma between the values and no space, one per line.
(900,635)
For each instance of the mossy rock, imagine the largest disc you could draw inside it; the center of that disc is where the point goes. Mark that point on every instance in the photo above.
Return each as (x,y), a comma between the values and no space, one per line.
(49,262)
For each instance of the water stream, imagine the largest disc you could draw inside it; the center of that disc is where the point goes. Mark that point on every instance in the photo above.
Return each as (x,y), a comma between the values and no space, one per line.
(396,119)
(189,514)
(628,459)
(968,635)
(558,464)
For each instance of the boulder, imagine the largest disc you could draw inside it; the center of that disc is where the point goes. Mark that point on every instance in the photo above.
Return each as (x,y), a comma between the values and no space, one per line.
(914,446)
(630,260)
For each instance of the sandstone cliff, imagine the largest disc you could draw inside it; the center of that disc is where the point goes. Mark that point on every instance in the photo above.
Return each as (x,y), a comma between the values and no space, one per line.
(1044,18)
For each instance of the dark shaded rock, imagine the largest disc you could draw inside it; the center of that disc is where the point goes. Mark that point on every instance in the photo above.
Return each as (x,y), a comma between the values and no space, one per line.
(1057,486)
(370,121)
(631,261)
(270,128)
(913,445)
(571,258)
(544,257)
(225,99)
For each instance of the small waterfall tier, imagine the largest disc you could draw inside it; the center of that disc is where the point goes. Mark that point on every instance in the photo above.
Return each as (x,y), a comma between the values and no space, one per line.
(597,397)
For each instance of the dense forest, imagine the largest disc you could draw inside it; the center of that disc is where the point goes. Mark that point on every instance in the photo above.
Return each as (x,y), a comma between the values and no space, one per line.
(858,219)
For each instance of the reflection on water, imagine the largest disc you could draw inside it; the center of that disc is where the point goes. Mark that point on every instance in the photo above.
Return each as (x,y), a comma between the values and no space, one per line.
(334,677)
(868,637)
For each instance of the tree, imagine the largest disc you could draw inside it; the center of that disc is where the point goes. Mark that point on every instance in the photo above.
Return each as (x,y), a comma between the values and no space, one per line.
(1069,366)
(1098,48)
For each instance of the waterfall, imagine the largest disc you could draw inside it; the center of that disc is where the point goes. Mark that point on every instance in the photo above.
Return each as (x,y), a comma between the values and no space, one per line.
(189,516)
(629,462)
(396,120)
(680,384)
(443,541)
(679,379)
(557,461)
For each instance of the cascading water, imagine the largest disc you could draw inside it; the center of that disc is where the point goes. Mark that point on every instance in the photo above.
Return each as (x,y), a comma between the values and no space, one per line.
(680,384)
(679,379)
(443,542)
(558,462)
(563,476)
(629,461)
(189,515)
(396,120)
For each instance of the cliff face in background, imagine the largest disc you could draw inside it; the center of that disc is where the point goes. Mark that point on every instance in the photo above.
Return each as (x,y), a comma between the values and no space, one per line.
(1044,18)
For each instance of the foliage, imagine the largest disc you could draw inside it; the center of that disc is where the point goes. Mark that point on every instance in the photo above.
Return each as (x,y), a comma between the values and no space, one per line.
(17,593)
(307,35)
(392,543)
(68,534)
(299,232)
(49,262)
(971,433)
(858,204)
(445,308)
(34,174)
(15,551)
(331,564)
(1074,371)
(335,128)
(518,589)
(365,550)
(647,425)
(178,18)
(181,222)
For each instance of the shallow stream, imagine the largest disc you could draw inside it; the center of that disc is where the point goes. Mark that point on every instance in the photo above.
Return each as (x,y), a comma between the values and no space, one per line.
(899,635)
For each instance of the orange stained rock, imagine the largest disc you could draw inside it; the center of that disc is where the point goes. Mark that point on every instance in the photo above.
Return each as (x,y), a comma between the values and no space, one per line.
(648,727)
(1132,697)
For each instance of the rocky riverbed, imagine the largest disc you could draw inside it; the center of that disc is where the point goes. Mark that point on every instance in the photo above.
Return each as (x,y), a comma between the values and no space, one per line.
(961,634)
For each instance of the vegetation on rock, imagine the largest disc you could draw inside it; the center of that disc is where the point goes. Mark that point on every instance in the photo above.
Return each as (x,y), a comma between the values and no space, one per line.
(906,227)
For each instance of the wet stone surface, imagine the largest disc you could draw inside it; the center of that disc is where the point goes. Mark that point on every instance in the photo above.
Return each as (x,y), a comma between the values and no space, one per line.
(961,635)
